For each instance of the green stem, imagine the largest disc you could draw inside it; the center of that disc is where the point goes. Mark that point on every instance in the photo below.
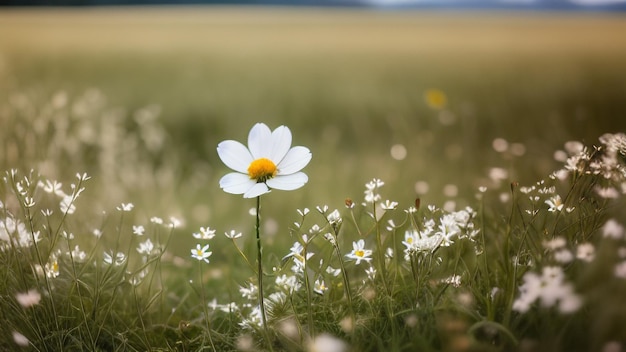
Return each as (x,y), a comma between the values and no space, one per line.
(260,271)
(205,308)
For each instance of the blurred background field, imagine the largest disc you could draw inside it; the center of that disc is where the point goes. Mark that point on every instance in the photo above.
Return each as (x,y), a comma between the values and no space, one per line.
(139,98)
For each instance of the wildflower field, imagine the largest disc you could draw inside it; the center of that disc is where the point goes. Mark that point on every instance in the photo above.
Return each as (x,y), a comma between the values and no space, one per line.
(275,179)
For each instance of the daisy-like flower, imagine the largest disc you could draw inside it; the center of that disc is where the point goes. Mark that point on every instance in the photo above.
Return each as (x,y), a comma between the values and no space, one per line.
(359,252)
(555,203)
(268,162)
(201,253)
(319,287)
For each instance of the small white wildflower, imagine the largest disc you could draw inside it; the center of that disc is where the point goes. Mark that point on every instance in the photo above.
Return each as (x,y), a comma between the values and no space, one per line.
(607,193)
(334,218)
(145,247)
(555,243)
(138,230)
(391,225)
(83,176)
(232,234)
(52,187)
(156,220)
(319,287)
(67,205)
(326,343)
(249,292)
(78,255)
(201,253)
(174,222)
(28,299)
(303,212)
(613,229)
(52,268)
(359,252)
(585,252)
(97,233)
(29,202)
(288,283)
(116,259)
(20,339)
(314,229)
(555,203)
(454,280)
(389,205)
(332,271)
(206,233)
(563,256)
(322,209)
(125,207)
(371,273)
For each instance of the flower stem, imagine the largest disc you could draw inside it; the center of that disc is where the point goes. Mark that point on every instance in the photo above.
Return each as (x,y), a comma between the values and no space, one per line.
(205,308)
(260,271)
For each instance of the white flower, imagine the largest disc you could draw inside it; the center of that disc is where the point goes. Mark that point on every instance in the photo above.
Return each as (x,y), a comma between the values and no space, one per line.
(613,229)
(126,207)
(138,230)
(548,289)
(359,252)
(555,203)
(585,252)
(145,247)
(206,233)
(319,287)
(371,273)
(20,339)
(334,218)
(388,205)
(288,283)
(201,253)
(67,205)
(116,259)
(28,299)
(332,271)
(232,234)
(326,343)
(78,255)
(156,220)
(268,162)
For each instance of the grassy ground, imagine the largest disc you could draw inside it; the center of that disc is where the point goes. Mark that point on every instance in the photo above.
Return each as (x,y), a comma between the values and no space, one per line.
(140,97)
(350,84)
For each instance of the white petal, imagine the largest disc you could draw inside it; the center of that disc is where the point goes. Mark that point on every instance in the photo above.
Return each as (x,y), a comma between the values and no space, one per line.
(256,190)
(281,142)
(259,141)
(235,155)
(236,183)
(288,182)
(295,160)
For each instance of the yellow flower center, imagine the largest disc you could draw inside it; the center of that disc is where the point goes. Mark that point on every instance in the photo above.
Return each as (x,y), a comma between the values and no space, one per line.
(262,169)
(359,253)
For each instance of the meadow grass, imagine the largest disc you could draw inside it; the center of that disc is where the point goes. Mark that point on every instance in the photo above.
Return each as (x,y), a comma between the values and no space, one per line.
(467,113)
